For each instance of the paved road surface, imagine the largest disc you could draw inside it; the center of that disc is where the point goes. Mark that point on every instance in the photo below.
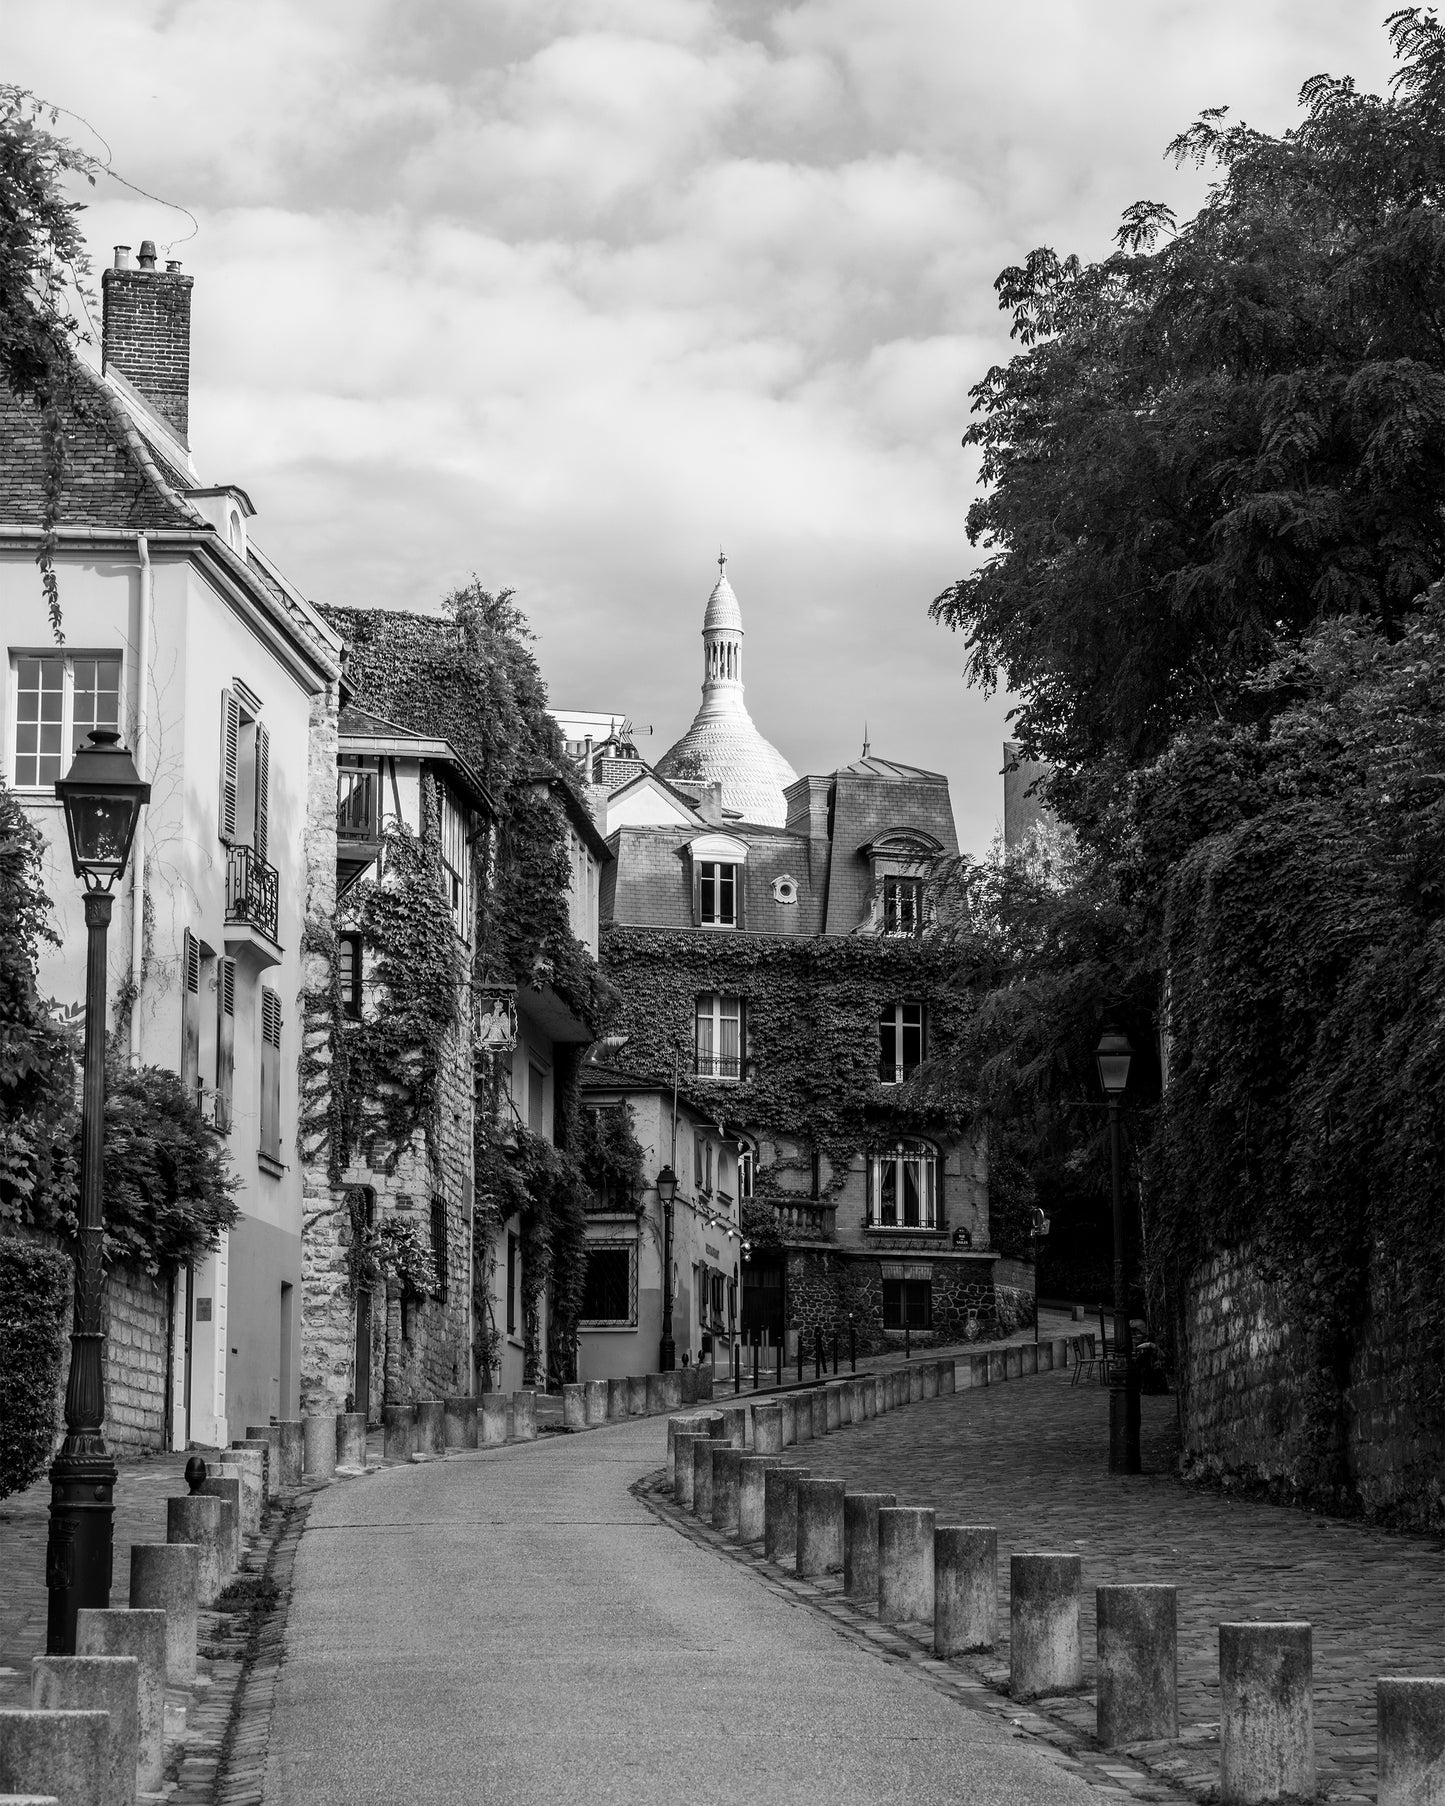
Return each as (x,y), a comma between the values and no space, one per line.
(513,1626)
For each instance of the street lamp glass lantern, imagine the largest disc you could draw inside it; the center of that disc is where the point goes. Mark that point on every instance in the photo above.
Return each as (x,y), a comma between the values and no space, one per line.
(666,1185)
(103,796)
(1113,1055)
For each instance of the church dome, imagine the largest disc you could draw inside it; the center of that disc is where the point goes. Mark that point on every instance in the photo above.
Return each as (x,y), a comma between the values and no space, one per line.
(722,745)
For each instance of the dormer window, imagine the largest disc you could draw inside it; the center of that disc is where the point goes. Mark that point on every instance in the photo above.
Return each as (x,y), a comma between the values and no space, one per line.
(718,894)
(719,872)
(902,905)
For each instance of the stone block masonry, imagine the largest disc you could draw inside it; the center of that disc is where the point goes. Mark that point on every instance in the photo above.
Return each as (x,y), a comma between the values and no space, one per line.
(137,1348)
(825,1289)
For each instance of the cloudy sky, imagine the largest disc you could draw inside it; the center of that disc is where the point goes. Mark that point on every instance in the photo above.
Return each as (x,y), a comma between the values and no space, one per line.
(571,292)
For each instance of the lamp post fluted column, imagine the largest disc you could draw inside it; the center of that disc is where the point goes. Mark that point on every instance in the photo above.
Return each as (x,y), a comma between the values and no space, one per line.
(666,1183)
(82,1478)
(1123,1375)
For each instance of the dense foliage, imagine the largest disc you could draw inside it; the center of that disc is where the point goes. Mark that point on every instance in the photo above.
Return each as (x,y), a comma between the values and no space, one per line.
(41,251)
(35,1288)
(1213,523)
(168,1186)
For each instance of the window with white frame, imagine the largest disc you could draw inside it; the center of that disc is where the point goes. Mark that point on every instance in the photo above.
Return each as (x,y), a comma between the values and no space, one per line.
(457,858)
(717,894)
(719,1036)
(747,1171)
(902,906)
(903,1186)
(900,1041)
(59,698)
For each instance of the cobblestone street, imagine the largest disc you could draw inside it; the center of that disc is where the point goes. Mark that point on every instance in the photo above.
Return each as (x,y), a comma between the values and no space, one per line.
(1030,1458)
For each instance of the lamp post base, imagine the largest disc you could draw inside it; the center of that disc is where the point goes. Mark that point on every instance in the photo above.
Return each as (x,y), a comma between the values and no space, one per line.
(79,1552)
(1124,1424)
(667,1355)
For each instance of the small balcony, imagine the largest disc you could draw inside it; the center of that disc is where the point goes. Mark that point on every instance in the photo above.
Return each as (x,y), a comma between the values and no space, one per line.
(253,897)
(728,1067)
(358,821)
(807,1220)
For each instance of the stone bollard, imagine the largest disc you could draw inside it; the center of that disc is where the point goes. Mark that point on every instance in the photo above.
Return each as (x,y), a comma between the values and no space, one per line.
(687,1379)
(459,1422)
(318,1442)
(574,1405)
(788,1408)
(803,1417)
(109,1684)
(430,1413)
(524,1416)
(1046,1357)
(1137,1675)
(617,1399)
(1267,1724)
(903,1387)
(53,1755)
(226,1488)
(1410,1729)
(820,1526)
(654,1393)
(752,1496)
(1044,1651)
(672,1390)
(820,1413)
(928,1373)
(596,1402)
(996,1375)
(832,1407)
(860,1544)
(735,1426)
(947,1377)
(767,1430)
(1013,1363)
(696,1423)
(351,1442)
(704,1384)
(882,1403)
(780,1512)
(291,1447)
(163,1578)
(398,1429)
(143,1636)
(250,1470)
(726,1489)
(915,1381)
(965,1588)
(636,1395)
(1060,1347)
(905,1564)
(268,1435)
(1137,1686)
(683,1466)
(703,1451)
(257,1445)
(496,1409)
(197,1519)
(1030,1354)
(978,1370)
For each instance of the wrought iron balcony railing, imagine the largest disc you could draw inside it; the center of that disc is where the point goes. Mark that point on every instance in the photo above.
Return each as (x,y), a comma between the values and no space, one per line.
(252,891)
(719,1066)
(358,804)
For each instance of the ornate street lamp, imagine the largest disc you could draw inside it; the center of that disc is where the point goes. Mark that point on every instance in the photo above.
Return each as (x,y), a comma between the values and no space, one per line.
(103,796)
(666,1196)
(1113,1055)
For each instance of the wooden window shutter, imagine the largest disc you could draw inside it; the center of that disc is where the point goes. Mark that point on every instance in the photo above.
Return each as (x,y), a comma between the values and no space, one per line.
(225,1042)
(271,1075)
(696,892)
(191,1014)
(263,792)
(740,895)
(230,764)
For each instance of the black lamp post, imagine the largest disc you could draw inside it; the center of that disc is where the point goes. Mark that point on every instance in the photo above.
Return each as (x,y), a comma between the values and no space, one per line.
(103,797)
(1114,1054)
(666,1195)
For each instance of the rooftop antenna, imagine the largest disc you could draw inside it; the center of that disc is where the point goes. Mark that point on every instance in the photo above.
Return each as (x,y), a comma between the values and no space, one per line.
(865,739)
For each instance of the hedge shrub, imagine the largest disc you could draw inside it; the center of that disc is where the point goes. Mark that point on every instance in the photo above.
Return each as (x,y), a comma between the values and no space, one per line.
(35,1291)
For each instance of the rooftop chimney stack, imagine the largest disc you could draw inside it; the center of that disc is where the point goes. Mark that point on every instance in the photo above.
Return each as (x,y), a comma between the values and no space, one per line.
(146,331)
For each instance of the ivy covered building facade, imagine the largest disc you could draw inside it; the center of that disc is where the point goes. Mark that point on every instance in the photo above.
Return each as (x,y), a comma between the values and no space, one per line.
(772,942)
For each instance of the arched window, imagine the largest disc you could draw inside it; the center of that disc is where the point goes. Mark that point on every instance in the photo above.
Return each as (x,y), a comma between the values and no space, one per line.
(903,1186)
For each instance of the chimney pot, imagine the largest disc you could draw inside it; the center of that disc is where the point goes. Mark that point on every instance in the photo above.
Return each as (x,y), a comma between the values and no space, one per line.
(147,253)
(122,257)
(172,265)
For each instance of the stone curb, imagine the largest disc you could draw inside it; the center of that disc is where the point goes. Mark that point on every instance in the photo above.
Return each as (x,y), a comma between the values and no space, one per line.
(969,1683)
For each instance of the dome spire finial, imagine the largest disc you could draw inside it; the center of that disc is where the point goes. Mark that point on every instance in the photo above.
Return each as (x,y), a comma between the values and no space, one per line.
(722,559)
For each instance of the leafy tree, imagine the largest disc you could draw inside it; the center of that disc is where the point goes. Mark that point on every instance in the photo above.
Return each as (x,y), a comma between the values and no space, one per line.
(1218,437)
(41,252)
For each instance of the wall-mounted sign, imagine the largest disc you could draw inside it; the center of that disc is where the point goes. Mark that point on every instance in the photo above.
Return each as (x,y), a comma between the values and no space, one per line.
(708,1248)
(203,1310)
(495,1007)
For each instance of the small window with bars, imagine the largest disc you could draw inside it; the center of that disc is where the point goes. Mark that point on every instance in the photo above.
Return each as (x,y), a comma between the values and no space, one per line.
(902,906)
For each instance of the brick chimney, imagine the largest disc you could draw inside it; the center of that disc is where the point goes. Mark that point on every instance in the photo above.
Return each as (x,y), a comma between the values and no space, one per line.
(146,331)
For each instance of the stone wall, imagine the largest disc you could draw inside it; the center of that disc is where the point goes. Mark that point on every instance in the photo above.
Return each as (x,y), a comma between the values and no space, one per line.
(823,1288)
(1257,1409)
(136,1378)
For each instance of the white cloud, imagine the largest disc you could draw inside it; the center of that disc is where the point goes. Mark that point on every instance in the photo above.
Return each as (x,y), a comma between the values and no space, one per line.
(565,291)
